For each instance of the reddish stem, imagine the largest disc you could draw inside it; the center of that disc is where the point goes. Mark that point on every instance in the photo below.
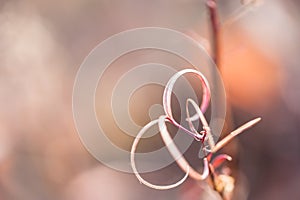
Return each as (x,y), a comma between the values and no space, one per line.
(215,54)
(215,30)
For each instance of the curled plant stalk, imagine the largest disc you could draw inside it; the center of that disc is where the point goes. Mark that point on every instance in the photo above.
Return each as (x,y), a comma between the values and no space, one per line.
(220,181)
(223,183)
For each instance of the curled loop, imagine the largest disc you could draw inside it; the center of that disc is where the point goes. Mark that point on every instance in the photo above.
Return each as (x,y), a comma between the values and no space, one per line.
(181,161)
(168,93)
(200,115)
(132,155)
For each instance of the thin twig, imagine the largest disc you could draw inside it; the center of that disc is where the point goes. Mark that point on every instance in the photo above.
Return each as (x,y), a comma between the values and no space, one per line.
(234,133)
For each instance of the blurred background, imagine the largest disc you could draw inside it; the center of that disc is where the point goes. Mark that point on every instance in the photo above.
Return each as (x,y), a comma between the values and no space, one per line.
(42,45)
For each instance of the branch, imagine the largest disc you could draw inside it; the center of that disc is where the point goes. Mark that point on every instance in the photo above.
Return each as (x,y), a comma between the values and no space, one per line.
(215,30)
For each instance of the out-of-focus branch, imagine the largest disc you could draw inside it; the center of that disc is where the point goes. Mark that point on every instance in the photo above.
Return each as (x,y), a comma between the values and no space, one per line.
(215,54)
(215,31)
